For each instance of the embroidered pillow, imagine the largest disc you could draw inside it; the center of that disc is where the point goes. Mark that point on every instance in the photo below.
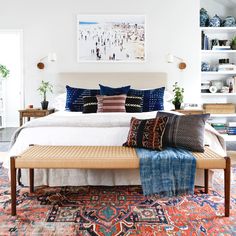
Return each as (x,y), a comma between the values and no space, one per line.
(152,99)
(74,97)
(111,103)
(186,131)
(146,133)
(133,104)
(108,91)
(90,104)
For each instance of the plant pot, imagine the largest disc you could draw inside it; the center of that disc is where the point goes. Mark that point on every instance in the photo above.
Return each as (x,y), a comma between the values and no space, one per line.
(233,46)
(44,105)
(177,106)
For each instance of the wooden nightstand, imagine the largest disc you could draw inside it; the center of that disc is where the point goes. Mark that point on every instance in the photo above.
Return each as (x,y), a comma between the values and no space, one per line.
(191,111)
(33,113)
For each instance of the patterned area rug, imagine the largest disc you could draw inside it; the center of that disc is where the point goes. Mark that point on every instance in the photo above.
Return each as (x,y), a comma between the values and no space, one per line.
(112,211)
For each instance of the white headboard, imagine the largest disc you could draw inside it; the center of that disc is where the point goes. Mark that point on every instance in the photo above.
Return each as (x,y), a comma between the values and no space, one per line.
(138,80)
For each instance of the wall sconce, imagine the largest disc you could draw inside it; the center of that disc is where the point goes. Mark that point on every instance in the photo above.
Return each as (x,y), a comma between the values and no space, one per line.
(52,57)
(182,64)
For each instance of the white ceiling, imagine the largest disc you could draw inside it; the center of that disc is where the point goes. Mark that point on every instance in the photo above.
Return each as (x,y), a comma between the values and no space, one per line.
(227,3)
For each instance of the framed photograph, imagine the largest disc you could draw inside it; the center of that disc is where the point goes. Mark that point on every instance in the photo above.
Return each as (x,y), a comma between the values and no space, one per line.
(111,38)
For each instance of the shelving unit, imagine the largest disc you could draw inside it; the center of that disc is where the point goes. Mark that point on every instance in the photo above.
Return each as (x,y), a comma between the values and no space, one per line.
(212,57)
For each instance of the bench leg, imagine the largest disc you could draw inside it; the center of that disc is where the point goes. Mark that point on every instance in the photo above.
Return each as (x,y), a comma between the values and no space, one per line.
(206,180)
(31,180)
(227,171)
(13,187)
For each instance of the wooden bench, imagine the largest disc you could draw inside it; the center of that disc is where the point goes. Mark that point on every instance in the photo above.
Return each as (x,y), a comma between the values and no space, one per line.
(103,157)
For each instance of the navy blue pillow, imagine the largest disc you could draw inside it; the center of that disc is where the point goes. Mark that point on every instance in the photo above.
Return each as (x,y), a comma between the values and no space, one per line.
(74,97)
(108,91)
(153,99)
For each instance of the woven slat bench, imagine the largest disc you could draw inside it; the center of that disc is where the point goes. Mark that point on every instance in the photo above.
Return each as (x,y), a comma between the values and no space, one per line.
(102,157)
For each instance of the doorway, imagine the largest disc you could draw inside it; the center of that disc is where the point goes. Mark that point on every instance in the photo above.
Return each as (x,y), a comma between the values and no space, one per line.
(11,55)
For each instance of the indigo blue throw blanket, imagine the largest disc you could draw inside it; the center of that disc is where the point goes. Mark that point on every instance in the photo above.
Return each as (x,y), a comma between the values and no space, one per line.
(168,173)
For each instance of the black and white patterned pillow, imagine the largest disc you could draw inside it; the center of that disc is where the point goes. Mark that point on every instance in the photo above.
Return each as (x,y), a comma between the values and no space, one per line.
(90,104)
(186,131)
(133,104)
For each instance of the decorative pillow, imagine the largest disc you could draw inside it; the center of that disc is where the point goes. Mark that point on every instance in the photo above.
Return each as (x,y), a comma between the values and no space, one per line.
(90,104)
(133,104)
(152,99)
(74,97)
(146,133)
(186,131)
(108,91)
(111,103)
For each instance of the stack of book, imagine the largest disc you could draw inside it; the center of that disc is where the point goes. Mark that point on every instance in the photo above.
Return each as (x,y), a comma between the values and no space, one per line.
(221,48)
(227,67)
(205,42)
(220,127)
(231,128)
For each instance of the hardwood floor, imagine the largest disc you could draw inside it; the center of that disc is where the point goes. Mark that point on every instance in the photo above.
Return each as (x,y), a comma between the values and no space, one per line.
(5,138)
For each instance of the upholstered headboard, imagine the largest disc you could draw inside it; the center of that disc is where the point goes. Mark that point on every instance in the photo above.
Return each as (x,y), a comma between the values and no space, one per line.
(138,80)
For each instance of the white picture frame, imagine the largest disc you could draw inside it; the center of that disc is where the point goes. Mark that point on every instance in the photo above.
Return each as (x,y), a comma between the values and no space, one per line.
(111,38)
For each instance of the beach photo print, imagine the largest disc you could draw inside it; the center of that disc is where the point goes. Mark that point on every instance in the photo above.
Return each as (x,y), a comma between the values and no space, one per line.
(111,38)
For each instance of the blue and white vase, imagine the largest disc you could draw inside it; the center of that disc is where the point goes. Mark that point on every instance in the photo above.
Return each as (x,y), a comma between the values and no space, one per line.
(204,18)
(205,66)
(229,21)
(215,21)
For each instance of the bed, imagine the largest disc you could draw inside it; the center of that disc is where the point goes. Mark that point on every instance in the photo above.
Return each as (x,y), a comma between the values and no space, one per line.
(75,128)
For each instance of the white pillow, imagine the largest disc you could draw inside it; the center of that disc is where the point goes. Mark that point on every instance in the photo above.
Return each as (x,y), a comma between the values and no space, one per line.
(59,102)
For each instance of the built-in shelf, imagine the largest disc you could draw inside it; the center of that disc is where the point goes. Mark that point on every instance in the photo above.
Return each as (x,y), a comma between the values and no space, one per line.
(223,115)
(218,72)
(218,51)
(218,29)
(219,94)
(229,138)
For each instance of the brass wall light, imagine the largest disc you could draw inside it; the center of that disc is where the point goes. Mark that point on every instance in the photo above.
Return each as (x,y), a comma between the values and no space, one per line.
(170,59)
(51,57)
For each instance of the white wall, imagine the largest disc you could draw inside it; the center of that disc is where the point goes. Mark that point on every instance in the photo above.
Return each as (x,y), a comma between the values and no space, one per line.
(50,26)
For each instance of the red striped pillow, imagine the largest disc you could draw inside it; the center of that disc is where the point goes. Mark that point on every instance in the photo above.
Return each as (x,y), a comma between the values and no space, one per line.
(111,103)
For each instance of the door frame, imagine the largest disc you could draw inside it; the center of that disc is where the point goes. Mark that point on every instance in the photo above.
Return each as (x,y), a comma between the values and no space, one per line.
(22,82)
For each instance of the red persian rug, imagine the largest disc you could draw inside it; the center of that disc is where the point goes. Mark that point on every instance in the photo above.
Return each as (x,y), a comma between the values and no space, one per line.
(110,211)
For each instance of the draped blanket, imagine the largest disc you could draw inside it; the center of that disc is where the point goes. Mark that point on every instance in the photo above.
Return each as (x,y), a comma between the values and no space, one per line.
(168,173)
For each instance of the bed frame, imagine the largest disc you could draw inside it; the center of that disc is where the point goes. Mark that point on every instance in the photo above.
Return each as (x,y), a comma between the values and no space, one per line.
(138,80)
(103,157)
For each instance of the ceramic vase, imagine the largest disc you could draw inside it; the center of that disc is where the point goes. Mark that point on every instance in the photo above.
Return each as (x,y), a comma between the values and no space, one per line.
(204,18)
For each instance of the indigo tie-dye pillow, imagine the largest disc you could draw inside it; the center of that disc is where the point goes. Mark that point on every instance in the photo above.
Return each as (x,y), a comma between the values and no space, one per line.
(74,97)
(153,99)
(109,91)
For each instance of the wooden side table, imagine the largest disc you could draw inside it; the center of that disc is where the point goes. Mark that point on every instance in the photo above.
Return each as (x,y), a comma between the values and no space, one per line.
(191,111)
(28,113)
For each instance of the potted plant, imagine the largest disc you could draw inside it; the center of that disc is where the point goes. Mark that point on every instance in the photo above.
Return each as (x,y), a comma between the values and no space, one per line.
(43,89)
(178,96)
(233,43)
(4,72)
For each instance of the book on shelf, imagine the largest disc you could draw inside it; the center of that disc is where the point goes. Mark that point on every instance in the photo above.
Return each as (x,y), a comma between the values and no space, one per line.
(231,124)
(221,48)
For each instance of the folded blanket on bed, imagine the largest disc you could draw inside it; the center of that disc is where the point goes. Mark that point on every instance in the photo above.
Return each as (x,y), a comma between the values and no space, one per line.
(168,173)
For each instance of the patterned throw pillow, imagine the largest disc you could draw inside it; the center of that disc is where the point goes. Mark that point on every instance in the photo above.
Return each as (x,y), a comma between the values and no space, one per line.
(90,104)
(74,97)
(146,133)
(152,99)
(108,91)
(133,104)
(186,131)
(111,103)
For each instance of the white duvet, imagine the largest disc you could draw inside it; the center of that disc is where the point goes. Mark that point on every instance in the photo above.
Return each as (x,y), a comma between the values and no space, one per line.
(74,128)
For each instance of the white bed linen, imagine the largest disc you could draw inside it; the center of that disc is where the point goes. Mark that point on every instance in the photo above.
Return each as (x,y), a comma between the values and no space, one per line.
(86,136)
